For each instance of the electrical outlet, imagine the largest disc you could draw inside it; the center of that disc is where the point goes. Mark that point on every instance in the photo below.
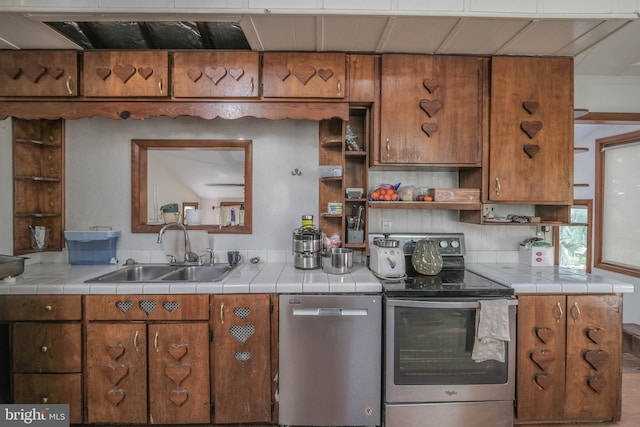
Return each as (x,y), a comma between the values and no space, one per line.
(386,226)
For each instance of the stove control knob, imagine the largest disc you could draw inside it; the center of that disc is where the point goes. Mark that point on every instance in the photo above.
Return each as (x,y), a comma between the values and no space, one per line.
(455,244)
(443,243)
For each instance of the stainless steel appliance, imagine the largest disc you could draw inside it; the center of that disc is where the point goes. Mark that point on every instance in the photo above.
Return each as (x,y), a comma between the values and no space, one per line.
(430,326)
(386,259)
(330,361)
(307,246)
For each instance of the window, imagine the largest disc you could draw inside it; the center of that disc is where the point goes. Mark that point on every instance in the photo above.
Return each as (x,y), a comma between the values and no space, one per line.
(618,204)
(573,242)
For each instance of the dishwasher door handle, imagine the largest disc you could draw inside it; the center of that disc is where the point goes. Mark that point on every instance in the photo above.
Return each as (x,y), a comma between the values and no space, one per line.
(330,312)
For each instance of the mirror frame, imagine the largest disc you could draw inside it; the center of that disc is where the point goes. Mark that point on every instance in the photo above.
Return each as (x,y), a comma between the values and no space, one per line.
(139,190)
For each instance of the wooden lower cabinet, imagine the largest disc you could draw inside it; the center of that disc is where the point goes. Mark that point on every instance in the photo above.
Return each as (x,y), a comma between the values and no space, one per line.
(50,389)
(569,358)
(164,364)
(241,358)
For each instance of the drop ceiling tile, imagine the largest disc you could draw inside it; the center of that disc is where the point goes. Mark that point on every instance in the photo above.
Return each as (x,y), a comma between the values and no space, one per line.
(416,34)
(281,32)
(482,36)
(352,33)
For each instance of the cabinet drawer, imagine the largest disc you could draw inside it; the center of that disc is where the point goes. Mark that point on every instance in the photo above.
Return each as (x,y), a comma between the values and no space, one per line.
(50,389)
(47,347)
(147,307)
(41,307)
(125,74)
(38,73)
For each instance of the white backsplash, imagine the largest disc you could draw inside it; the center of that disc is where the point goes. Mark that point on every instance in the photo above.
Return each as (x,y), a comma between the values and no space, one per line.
(98,191)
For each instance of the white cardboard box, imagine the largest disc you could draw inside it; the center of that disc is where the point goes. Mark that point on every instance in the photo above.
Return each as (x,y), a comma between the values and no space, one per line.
(537,256)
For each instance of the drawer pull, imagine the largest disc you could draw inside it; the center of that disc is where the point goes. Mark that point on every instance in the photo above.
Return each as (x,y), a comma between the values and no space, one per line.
(48,308)
(44,348)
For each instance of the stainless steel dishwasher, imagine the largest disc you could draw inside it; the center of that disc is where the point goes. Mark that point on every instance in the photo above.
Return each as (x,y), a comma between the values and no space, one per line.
(330,360)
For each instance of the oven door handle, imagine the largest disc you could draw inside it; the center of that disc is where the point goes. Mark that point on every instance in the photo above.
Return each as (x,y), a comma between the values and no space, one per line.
(434,303)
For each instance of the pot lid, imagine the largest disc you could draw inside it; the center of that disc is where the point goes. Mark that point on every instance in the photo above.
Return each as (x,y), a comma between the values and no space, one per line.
(386,242)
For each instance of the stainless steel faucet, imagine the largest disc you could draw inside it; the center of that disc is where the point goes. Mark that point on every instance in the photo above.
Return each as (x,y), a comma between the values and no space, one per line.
(189,257)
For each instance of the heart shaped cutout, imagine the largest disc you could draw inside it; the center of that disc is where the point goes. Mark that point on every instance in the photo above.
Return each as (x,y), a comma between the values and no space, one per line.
(34,71)
(236,73)
(596,334)
(145,72)
(530,106)
(242,332)
(431,107)
(215,74)
(147,306)
(124,72)
(103,73)
(177,351)
(123,306)
(115,351)
(325,74)
(542,358)
(114,373)
(178,397)
(115,396)
(171,306)
(55,72)
(430,84)
(194,74)
(282,72)
(596,384)
(544,380)
(177,373)
(13,72)
(243,356)
(429,128)
(596,358)
(304,73)
(544,334)
(531,128)
(242,312)
(531,150)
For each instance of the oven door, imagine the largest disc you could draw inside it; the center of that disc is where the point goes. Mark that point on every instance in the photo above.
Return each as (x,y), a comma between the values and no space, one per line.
(428,347)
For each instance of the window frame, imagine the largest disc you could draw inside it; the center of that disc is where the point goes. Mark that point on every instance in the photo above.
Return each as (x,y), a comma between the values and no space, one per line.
(556,232)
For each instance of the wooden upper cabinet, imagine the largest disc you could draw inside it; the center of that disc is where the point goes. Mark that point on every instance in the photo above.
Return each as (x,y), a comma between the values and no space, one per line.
(431,110)
(362,78)
(531,136)
(38,73)
(304,75)
(126,74)
(222,74)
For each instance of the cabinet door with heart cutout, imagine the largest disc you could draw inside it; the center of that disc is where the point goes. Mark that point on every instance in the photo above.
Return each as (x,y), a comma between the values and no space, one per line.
(38,73)
(224,74)
(125,74)
(594,348)
(241,358)
(431,110)
(304,75)
(531,130)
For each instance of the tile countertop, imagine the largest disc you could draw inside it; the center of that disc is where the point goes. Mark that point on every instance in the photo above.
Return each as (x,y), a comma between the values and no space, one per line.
(246,278)
(525,279)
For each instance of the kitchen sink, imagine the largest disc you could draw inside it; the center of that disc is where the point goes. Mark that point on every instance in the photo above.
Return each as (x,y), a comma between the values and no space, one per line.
(199,273)
(164,272)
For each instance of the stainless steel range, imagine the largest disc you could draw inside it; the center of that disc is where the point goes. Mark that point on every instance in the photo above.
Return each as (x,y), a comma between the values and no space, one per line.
(430,369)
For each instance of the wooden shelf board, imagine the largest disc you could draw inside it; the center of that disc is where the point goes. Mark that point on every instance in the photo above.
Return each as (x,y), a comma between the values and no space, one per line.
(466,206)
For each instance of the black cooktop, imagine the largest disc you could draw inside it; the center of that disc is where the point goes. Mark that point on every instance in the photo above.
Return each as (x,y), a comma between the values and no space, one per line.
(446,284)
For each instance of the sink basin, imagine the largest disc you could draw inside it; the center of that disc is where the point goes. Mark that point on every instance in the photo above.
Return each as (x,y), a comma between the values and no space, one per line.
(199,273)
(163,272)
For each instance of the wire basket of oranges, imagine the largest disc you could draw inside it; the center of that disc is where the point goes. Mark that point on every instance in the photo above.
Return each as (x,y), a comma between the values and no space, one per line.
(385,193)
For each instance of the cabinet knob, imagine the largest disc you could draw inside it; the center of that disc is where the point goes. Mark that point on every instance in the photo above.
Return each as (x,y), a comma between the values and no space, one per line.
(48,308)
(44,348)
(45,399)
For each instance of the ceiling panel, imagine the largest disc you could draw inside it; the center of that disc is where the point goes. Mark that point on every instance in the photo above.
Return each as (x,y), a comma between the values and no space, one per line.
(352,33)
(280,32)
(482,36)
(615,55)
(598,33)
(416,34)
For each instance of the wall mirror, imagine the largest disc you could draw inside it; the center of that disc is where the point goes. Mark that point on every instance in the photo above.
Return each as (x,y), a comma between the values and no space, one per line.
(213,176)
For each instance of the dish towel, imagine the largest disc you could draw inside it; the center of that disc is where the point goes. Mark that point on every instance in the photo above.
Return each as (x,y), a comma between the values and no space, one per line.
(492,330)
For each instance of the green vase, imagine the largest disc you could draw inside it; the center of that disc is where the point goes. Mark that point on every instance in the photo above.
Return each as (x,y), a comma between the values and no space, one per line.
(426,258)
